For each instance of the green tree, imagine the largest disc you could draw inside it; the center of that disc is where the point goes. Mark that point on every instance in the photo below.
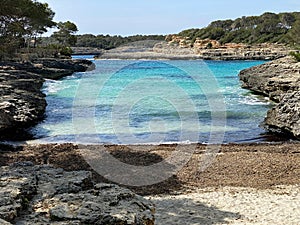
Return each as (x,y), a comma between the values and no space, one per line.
(20,20)
(66,33)
(294,34)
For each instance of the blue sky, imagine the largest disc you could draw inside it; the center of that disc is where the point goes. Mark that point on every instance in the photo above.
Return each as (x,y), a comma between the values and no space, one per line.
(128,17)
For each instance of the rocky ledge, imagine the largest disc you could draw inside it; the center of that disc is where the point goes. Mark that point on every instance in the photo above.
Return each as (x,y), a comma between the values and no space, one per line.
(45,195)
(22,104)
(280,81)
(51,68)
(176,47)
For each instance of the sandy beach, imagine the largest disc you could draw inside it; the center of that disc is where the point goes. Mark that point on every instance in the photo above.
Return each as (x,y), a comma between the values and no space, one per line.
(245,184)
(230,205)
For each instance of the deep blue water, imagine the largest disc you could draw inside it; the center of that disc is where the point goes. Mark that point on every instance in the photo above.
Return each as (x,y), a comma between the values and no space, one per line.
(132,102)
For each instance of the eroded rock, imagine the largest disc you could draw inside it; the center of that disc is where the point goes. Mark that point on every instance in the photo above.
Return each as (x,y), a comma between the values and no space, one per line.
(273,78)
(280,81)
(45,195)
(285,117)
(22,103)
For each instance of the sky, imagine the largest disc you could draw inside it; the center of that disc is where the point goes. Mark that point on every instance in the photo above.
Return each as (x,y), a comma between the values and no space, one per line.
(130,17)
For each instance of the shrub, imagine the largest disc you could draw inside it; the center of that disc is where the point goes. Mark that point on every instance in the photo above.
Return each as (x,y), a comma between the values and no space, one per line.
(296,55)
(66,51)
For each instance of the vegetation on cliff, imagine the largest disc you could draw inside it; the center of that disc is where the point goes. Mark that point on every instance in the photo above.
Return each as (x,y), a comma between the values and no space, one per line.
(296,56)
(269,27)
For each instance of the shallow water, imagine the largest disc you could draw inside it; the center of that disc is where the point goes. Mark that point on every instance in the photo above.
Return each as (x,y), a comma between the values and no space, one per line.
(136,102)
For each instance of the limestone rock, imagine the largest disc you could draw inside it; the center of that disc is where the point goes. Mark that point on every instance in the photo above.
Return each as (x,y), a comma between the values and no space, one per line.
(52,68)
(45,195)
(272,78)
(22,103)
(18,186)
(285,117)
(279,80)
(3,222)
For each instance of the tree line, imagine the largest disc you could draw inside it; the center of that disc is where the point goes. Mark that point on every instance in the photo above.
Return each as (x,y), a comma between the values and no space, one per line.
(269,27)
(104,41)
(23,21)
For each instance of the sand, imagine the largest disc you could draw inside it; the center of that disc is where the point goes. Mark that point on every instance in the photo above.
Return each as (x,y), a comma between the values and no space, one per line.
(229,205)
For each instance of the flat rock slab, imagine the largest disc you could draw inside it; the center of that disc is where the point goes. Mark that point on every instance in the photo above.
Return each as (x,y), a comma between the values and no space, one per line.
(45,195)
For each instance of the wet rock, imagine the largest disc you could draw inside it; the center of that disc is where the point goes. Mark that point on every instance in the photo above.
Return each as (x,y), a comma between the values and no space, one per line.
(46,195)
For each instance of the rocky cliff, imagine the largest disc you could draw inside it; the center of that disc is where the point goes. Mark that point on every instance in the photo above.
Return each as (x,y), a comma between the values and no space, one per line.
(22,104)
(45,195)
(178,47)
(279,80)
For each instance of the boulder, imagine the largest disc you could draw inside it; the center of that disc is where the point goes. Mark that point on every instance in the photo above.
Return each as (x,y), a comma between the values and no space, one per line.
(45,195)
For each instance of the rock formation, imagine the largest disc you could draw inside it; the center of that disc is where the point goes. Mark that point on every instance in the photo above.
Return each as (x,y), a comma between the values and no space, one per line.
(273,78)
(86,51)
(22,104)
(183,48)
(284,118)
(280,81)
(212,49)
(44,195)
(51,68)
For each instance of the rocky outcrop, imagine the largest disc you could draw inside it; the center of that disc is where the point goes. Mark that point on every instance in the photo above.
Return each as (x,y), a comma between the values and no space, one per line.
(284,118)
(44,195)
(22,104)
(86,51)
(280,81)
(273,78)
(52,68)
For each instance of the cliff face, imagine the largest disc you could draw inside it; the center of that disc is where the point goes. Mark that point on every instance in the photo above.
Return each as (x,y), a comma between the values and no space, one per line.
(279,80)
(176,47)
(22,104)
(212,49)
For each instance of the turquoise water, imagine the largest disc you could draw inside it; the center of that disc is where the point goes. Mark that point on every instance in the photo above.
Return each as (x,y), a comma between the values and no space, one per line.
(132,102)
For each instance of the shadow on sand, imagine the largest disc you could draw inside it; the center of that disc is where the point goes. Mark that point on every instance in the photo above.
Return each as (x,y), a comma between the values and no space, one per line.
(186,210)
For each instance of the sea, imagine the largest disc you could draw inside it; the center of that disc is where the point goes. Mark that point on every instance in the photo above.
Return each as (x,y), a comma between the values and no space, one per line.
(153,102)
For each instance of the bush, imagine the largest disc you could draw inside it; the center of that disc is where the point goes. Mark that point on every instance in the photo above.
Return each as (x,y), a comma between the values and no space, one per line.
(66,51)
(296,55)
